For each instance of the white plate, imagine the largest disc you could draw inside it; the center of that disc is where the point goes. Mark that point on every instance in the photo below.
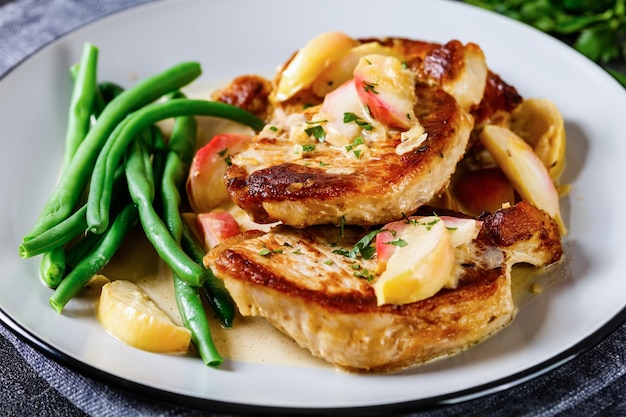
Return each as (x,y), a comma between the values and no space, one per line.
(237,37)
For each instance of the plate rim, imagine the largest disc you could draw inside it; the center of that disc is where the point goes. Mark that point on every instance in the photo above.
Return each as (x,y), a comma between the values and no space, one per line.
(148,392)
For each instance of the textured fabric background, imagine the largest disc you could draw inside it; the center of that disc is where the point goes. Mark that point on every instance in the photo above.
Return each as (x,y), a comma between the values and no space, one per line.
(31,384)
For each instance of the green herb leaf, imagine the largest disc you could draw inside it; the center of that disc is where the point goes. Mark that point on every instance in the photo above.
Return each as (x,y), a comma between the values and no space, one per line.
(363,247)
(398,242)
(316,132)
(370,87)
(350,117)
(365,274)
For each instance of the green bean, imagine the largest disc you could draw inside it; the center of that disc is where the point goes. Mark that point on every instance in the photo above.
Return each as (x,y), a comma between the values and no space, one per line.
(191,310)
(107,91)
(181,146)
(159,157)
(113,150)
(108,244)
(82,101)
(56,236)
(217,295)
(81,249)
(74,226)
(67,192)
(52,267)
(141,187)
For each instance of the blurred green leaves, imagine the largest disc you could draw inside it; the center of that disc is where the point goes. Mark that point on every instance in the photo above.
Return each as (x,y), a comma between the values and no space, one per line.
(596,28)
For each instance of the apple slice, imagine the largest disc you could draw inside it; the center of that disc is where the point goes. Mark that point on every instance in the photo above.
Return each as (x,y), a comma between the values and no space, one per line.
(310,61)
(206,189)
(524,169)
(387,89)
(540,123)
(127,313)
(467,83)
(483,190)
(387,242)
(461,230)
(421,267)
(217,226)
(342,69)
(344,100)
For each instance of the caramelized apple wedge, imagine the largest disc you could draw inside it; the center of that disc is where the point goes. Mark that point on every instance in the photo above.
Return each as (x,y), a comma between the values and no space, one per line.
(483,190)
(539,122)
(310,61)
(387,89)
(524,169)
(342,69)
(216,226)
(205,184)
(420,266)
(390,239)
(344,100)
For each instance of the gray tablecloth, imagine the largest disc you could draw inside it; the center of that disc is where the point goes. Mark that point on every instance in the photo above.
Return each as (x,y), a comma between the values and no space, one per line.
(32,384)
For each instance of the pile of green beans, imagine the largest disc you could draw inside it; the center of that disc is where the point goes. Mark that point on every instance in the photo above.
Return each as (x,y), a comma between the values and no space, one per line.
(116,156)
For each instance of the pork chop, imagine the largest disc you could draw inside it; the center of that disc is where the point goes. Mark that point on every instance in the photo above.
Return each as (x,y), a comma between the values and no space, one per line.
(381,172)
(301,281)
(273,182)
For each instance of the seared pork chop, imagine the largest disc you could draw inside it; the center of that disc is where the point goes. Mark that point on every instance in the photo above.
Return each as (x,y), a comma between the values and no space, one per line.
(391,167)
(301,281)
(273,182)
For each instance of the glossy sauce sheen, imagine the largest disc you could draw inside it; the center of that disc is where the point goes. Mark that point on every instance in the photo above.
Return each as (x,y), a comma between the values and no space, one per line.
(253,340)
(249,340)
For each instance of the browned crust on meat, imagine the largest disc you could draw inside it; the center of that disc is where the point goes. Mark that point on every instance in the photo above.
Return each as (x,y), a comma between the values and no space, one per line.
(522,223)
(499,100)
(328,196)
(431,61)
(343,323)
(438,63)
(249,92)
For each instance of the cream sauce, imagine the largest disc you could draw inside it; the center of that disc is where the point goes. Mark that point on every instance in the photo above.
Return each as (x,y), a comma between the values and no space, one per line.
(251,339)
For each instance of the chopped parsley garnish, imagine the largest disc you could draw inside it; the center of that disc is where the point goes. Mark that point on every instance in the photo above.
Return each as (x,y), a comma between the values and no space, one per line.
(363,247)
(356,142)
(366,274)
(370,87)
(328,262)
(418,222)
(357,153)
(308,148)
(342,251)
(350,117)
(224,154)
(316,132)
(273,128)
(266,251)
(398,242)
